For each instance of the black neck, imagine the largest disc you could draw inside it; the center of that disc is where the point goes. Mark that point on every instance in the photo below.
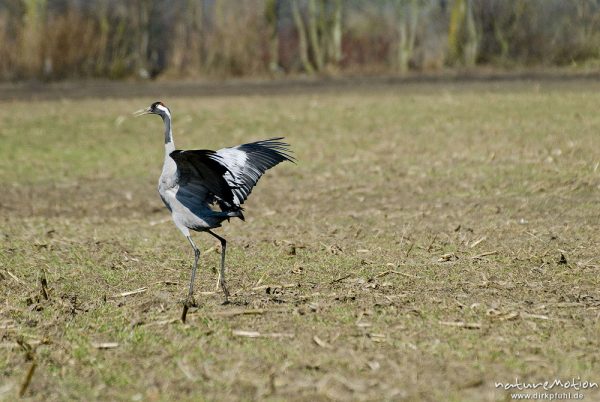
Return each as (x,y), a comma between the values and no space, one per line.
(168,132)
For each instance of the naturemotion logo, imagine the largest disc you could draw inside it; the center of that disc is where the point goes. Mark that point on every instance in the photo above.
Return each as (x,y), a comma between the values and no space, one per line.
(576,384)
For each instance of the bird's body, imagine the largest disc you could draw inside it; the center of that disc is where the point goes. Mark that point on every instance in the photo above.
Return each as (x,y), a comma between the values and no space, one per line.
(187,202)
(202,188)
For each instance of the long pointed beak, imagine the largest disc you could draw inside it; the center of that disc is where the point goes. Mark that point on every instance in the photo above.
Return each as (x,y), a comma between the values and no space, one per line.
(142,112)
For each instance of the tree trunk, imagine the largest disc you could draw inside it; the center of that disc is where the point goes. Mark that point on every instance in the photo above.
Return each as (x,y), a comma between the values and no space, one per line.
(454,31)
(143,38)
(32,57)
(100,67)
(336,33)
(471,43)
(407,19)
(313,35)
(272,17)
(303,45)
(463,40)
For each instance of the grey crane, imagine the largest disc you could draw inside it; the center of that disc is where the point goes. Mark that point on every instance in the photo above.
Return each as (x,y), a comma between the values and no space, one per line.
(202,188)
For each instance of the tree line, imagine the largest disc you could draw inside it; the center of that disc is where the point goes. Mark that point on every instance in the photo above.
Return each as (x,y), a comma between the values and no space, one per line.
(58,39)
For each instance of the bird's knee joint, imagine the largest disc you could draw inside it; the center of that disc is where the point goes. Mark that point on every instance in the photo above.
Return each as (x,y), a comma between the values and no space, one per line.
(197,252)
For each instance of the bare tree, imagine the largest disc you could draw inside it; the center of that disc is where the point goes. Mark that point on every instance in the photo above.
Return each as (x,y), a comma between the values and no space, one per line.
(406,19)
(463,39)
(103,38)
(272,18)
(315,19)
(303,43)
(32,36)
(330,32)
(187,44)
(335,48)
(321,34)
(140,9)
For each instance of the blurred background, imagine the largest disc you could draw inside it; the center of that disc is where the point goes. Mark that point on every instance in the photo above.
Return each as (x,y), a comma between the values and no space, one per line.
(75,39)
(438,235)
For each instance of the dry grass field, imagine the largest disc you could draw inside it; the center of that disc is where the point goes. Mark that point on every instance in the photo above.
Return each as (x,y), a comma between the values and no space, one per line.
(431,241)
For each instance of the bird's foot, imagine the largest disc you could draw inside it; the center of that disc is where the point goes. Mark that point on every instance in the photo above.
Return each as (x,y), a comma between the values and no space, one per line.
(225,292)
(184,313)
(221,284)
(189,302)
(226,296)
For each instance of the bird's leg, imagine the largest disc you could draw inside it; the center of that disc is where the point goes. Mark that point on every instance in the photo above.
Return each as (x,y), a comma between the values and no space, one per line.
(189,301)
(221,280)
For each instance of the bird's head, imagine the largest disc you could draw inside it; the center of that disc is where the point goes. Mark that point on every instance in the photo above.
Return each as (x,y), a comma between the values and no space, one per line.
(158,108)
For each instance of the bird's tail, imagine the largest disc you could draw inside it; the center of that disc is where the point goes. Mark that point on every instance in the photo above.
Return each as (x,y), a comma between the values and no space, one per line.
(231,211)
(236,214)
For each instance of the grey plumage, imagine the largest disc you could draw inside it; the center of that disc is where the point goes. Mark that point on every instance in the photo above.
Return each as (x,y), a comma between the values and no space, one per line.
(202,188)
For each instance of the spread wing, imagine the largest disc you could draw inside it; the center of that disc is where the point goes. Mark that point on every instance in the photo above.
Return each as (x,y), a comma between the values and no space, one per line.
(248,162)
(201,178)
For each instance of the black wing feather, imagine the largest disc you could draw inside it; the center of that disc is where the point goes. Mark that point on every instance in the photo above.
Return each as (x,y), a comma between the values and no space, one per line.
(248,162)
(206,167)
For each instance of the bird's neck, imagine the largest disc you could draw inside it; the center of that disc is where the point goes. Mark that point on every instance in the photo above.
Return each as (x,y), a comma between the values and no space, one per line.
(169,143)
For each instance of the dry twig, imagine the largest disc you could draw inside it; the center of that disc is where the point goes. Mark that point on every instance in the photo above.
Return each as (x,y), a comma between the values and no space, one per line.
(476,242)
(105,345)
(536,316)
(13,276)
(130,293)
(166,283)
(409,249)
(256,334)
(339,279)
(431,244)
(257,311)
(321,342)
(384,273)
(44,284)
(186,370)
(487,253)
(462,324)
(285,286)
(163,322)
(27,379)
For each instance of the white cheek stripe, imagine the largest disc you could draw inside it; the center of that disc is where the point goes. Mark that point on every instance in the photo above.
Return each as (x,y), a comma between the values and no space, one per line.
(164,109)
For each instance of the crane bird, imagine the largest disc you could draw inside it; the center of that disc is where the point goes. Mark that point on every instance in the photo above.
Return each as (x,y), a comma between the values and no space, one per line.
(202,188)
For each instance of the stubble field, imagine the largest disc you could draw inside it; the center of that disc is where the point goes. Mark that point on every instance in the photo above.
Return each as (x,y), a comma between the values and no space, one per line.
(431,241)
